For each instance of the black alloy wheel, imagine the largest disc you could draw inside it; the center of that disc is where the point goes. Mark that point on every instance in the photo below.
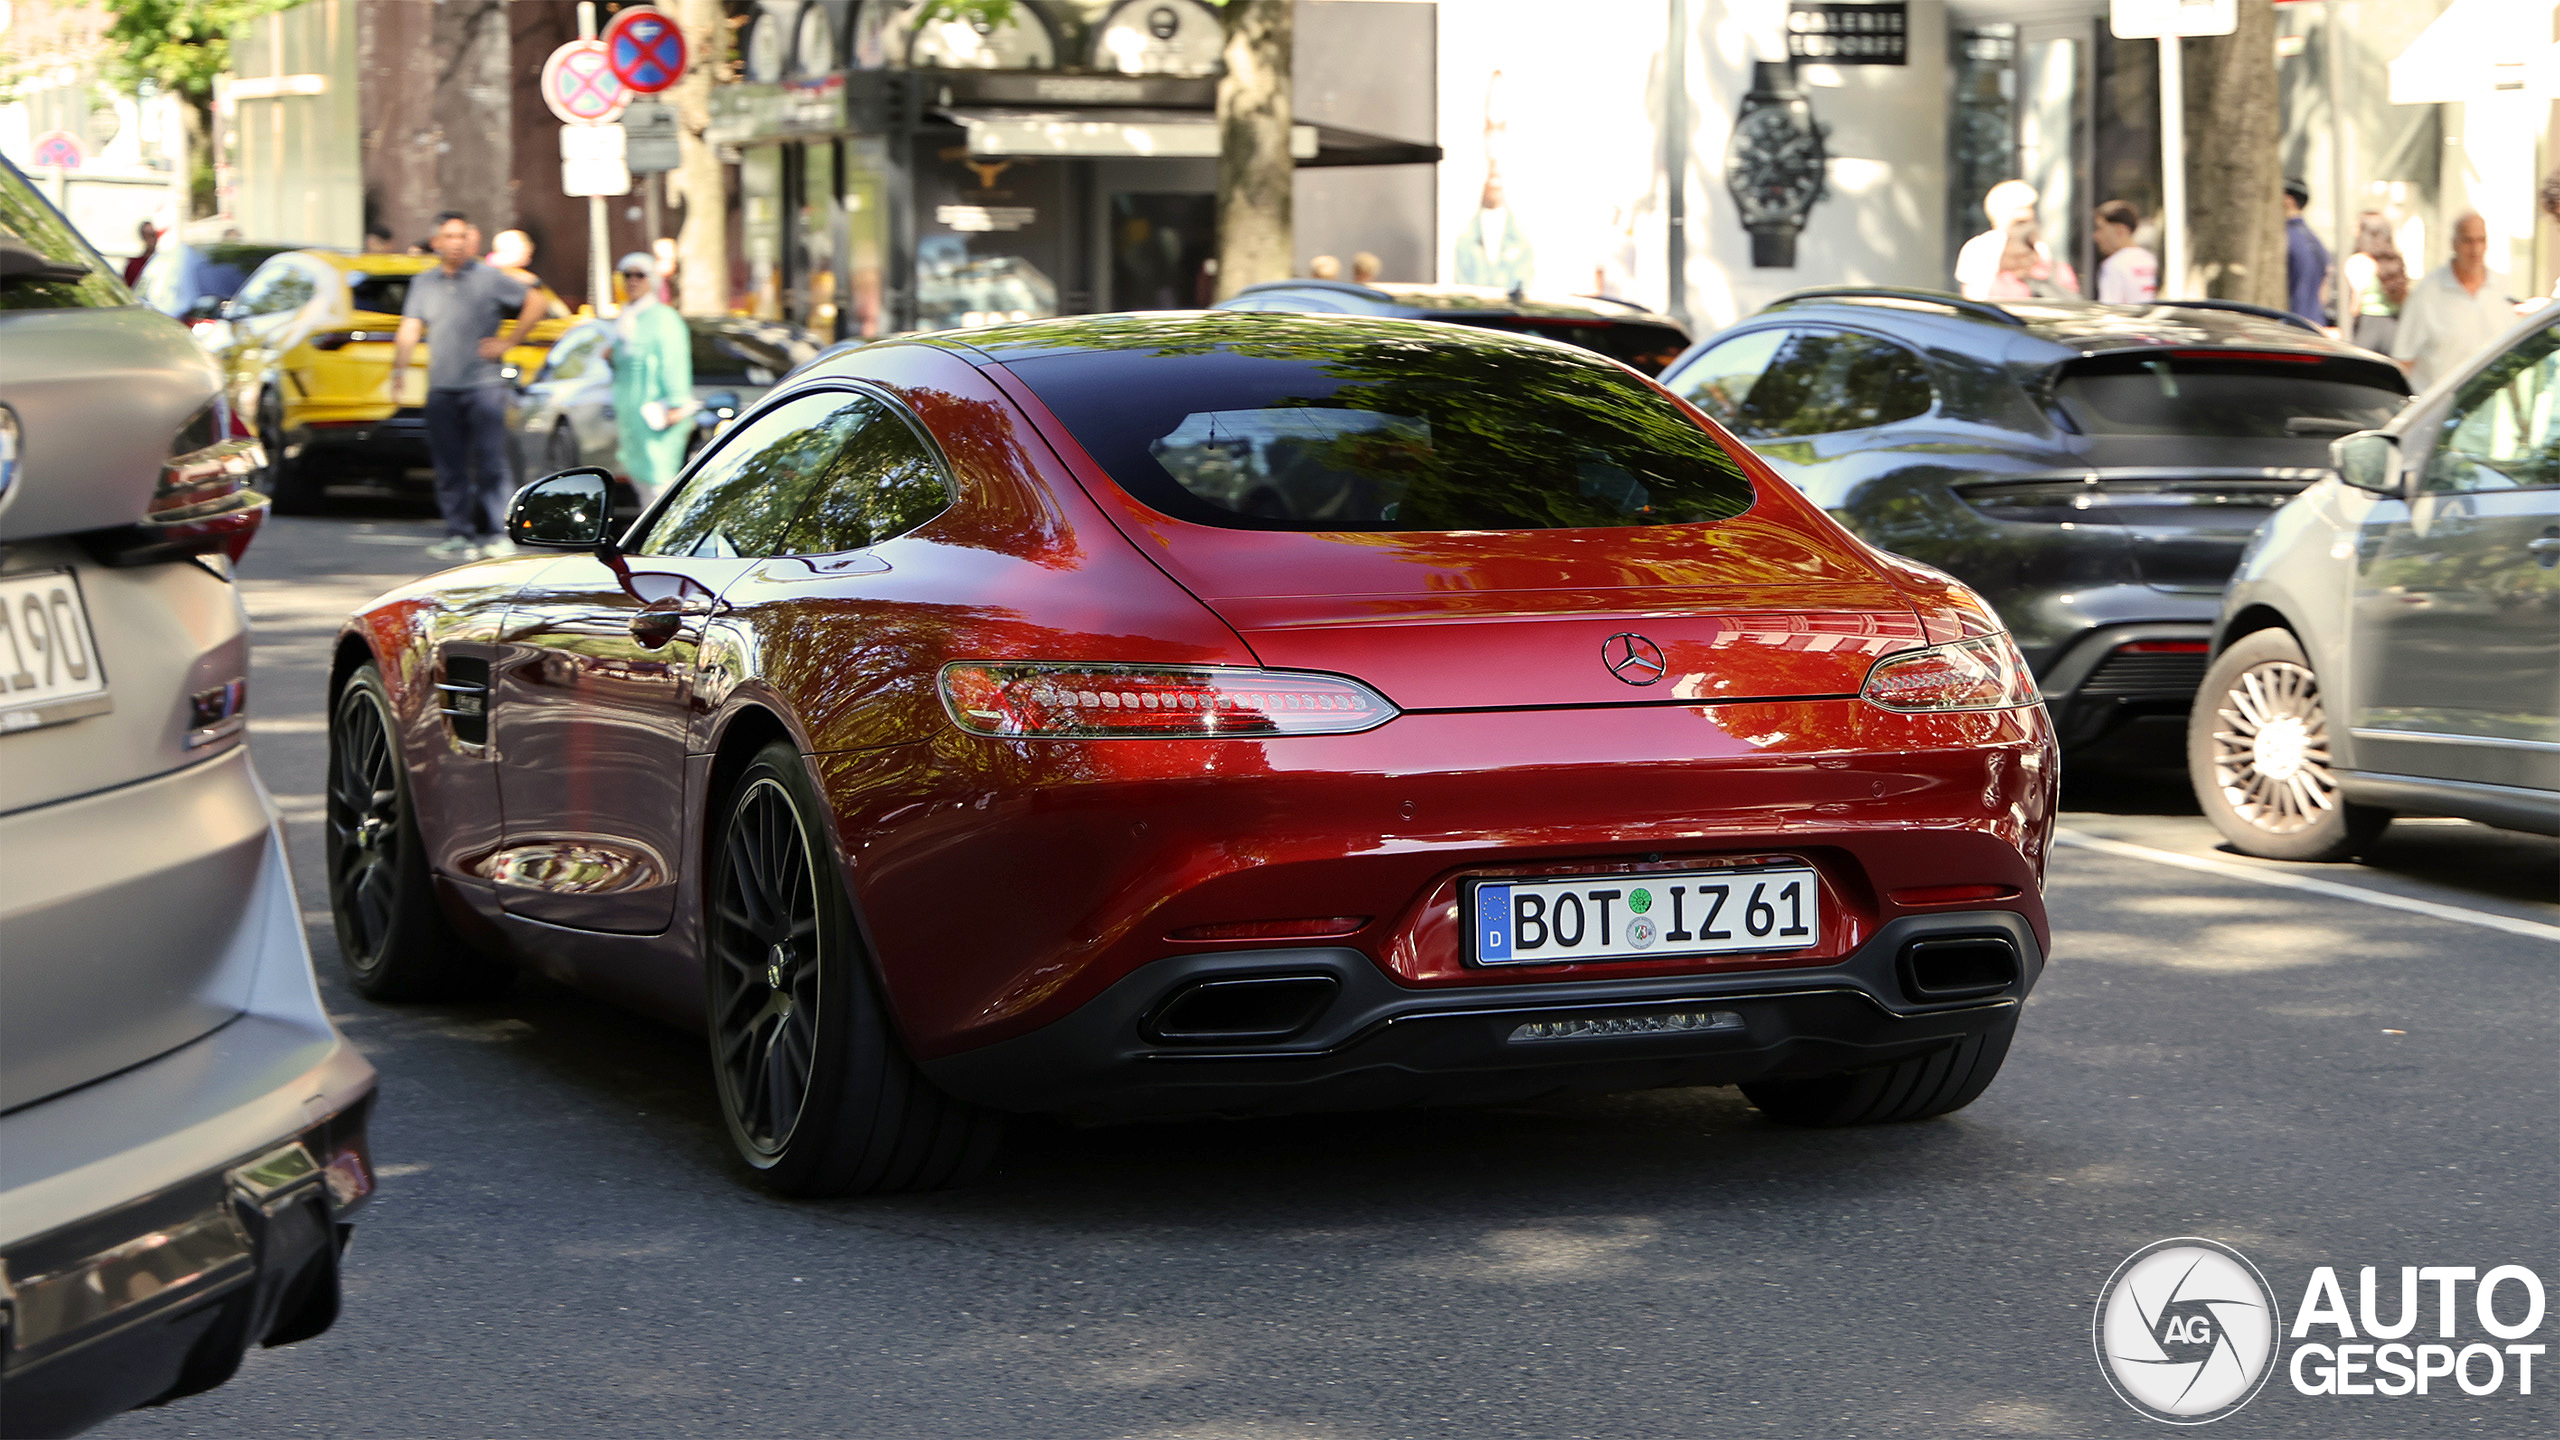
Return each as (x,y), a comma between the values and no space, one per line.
(765,976)
(392,932)
(285,481)
(818,1093)
(2258,755)
(560,449)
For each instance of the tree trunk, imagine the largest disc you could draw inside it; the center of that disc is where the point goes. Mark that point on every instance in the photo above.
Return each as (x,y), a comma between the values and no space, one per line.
(700,184)
(1256,176)
(2235,175)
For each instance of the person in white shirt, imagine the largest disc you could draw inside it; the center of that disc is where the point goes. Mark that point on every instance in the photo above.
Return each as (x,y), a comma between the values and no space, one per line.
(2127,273)
(2456,311)
(1978,263)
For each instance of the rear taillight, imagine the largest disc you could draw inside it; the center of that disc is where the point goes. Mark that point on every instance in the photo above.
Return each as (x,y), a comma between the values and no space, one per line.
(1097,702)
(1981,674)
(202,506)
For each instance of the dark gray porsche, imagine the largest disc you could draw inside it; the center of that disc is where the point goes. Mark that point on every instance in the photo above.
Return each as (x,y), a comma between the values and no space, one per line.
(2094,471)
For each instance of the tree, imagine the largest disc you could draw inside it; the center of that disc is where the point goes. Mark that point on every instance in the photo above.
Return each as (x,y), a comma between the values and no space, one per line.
(2235,175)
(180,45)
(701,182)
(1257,176)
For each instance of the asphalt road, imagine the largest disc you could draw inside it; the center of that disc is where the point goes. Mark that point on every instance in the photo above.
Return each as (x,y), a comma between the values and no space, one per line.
(563,1247)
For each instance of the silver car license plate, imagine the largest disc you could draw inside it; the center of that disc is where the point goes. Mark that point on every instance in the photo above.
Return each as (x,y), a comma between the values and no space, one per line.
(1658,915)
(49,668)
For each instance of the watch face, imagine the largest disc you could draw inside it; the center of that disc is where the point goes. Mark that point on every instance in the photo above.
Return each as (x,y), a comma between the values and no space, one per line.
(1774,165)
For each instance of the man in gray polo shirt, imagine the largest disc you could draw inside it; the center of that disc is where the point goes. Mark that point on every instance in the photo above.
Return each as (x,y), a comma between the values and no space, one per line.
(459,305)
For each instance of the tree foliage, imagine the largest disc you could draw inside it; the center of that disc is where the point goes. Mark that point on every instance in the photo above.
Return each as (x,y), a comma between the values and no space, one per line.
(179,45)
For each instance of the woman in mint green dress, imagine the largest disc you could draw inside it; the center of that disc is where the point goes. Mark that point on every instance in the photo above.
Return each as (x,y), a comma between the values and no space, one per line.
(652,380)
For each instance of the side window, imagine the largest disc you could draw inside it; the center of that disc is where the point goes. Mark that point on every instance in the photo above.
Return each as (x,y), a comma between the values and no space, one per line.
(2502,434)
(574,357)
(741,499)
(1721,380)
(886,483)
(1829,380)
(280,285)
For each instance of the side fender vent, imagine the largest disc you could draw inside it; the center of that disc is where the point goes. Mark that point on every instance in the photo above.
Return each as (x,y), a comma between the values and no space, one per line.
(462,697)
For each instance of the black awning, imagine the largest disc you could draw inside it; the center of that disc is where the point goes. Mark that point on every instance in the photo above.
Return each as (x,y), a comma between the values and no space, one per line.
(1092,131)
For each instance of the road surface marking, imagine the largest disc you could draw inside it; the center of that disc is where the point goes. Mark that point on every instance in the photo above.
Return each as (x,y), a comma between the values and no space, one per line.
(2530,929)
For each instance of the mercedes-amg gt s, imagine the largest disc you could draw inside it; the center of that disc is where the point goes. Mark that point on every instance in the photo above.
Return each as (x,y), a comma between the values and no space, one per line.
(1207,713)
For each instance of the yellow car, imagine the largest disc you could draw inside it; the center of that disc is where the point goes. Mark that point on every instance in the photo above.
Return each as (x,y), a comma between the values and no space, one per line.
(305,347)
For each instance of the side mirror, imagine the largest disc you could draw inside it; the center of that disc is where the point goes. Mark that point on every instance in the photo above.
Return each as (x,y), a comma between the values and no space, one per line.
(567,511)
(2368,460)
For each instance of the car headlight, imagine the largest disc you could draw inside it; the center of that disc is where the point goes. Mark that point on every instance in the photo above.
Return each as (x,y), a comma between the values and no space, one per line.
(1985,673)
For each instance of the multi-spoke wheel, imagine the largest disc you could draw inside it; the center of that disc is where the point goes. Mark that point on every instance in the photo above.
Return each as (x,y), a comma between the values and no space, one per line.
(765,976)
(819,1095)
(391,932)
(2258,752)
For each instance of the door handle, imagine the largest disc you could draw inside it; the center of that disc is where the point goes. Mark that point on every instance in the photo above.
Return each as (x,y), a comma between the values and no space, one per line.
(2543,545)
(653,628)
(2545,548)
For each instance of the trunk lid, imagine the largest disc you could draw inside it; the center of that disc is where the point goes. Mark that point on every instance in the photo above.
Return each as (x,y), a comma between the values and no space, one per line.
(1746,609)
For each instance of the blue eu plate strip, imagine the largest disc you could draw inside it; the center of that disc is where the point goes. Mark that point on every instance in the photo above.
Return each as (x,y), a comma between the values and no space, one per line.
(1493,922)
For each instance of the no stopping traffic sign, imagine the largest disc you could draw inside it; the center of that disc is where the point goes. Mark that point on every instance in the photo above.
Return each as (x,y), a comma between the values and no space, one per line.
(580,87)
(645,50)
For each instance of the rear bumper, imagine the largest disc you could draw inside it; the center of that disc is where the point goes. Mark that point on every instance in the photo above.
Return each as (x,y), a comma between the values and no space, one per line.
(1376,1044)
(157,1221)
(399,442)
(2096,685)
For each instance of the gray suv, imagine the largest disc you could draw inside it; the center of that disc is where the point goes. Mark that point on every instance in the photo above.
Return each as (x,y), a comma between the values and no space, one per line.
(182,1131)
(2391,643)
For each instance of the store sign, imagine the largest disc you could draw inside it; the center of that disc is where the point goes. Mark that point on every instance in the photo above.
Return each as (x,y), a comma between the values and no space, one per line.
(744,114)
(1848,34)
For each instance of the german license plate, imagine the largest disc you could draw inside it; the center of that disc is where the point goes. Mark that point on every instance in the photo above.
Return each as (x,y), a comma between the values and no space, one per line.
(49,668)
(1654,916)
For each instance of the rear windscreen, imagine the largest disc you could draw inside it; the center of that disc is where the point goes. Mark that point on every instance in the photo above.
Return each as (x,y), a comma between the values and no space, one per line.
(1640,346)
(1373,429)
(2236,398)
(54,268)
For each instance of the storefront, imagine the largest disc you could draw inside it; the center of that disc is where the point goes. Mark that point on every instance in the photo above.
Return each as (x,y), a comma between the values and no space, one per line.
(903,177)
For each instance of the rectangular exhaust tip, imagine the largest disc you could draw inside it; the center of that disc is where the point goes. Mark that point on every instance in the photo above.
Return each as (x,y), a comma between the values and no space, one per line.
(1958,967)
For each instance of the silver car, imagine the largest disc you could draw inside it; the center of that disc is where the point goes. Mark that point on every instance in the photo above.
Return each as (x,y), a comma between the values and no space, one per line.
(564,415)
(2391,642)
(182,1131)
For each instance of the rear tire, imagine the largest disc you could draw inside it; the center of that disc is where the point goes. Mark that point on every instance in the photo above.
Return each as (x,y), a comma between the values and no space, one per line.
(818,1094)
(392,931)
(288,483)
(1938,1083)
(2258,755)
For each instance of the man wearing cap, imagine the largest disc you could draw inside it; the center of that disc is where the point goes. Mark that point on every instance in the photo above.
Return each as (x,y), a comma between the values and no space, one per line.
(2306,260)
(458,306)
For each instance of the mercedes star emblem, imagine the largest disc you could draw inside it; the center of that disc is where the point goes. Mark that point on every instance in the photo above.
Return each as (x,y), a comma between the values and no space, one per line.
(1632,658)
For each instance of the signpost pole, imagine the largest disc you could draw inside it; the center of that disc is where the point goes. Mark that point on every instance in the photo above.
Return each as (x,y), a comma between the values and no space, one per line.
(2173,169)
(599,244)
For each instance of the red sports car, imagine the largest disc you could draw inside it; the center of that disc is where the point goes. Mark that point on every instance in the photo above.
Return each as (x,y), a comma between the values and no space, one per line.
(1215,713)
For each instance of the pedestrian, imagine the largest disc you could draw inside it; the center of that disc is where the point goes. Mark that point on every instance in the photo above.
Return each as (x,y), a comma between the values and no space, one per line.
(1325,267)
(2128,274)
(2378,281)
(1978,263)
(378,241)
(2306,260)
(2029,271)
(1365,268)
(150,234)
(512,252)
(2454,312)
(652,355)
(458,304)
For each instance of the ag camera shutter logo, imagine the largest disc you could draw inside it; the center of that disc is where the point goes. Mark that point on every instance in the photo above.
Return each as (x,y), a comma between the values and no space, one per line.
(2186,1330)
